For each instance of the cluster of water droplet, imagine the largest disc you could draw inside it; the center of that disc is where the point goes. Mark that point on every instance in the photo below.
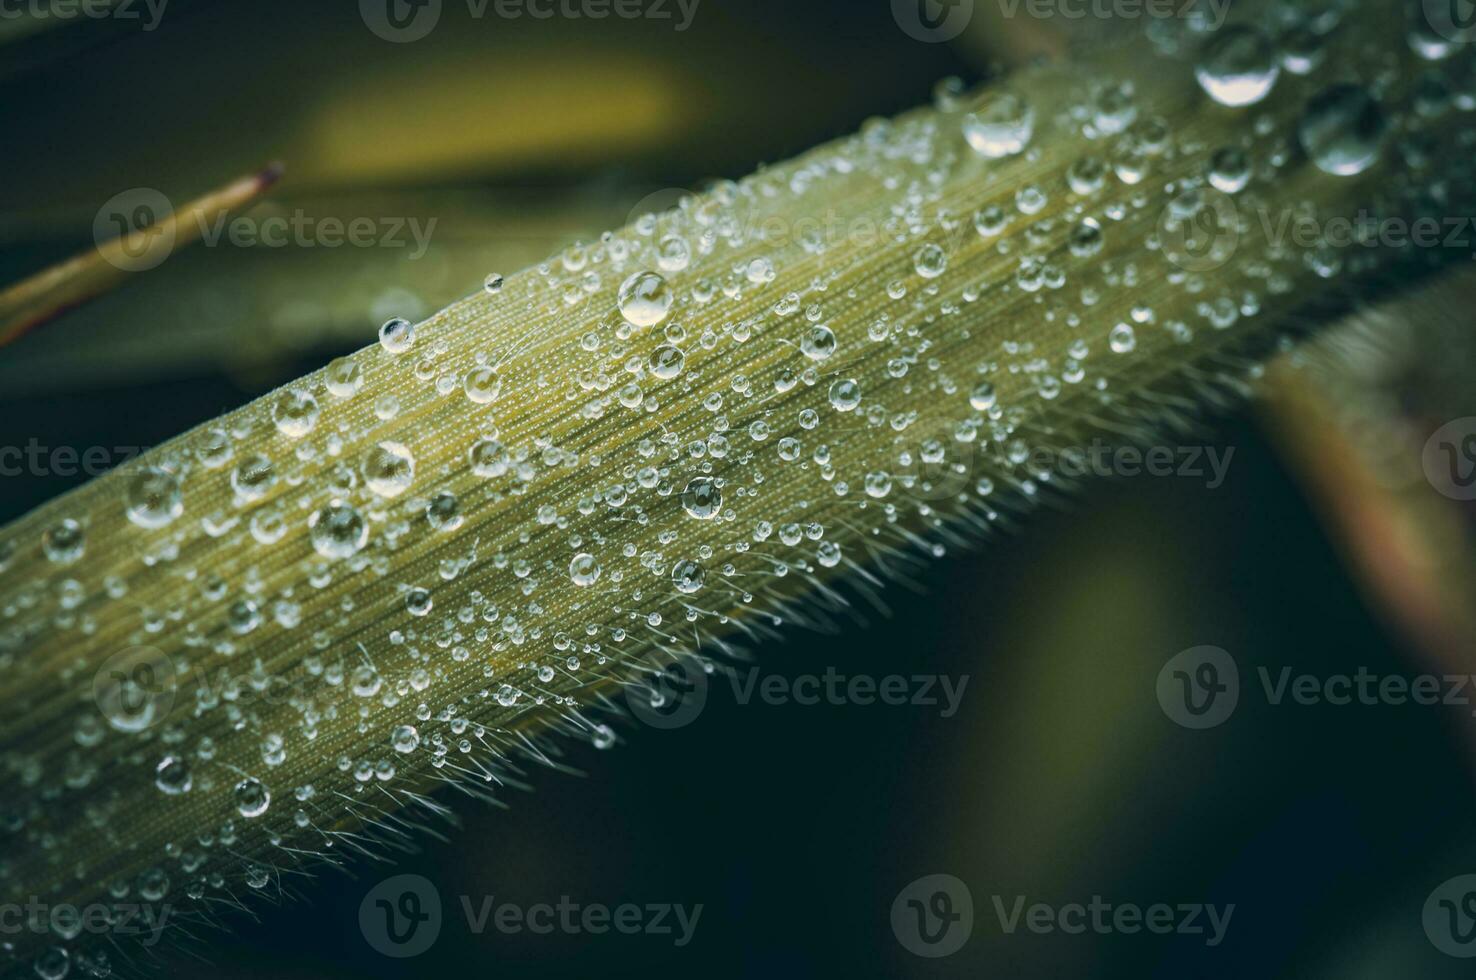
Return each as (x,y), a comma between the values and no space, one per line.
(361,585)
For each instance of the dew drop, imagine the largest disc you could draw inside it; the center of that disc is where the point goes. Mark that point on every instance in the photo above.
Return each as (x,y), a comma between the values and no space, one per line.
(172,776)
(482,385)
(1342,130)
(418,602)
(338,531)
(930,261)
(343,378)
(584,570)
(1086,238)
(295,413)
(1122,339)
(845,394)
(397,335)
(389,469)
(405,739)
(1238,67)
(252,798)
(702,499)
(673,254)
(153,498)
(1230,170)
(253,477)
(688,576)
(818,343)
(645,299)
(443,512)
(667,361)
(1001,127)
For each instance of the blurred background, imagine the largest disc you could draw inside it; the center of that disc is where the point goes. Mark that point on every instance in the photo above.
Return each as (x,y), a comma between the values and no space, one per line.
(1060,777)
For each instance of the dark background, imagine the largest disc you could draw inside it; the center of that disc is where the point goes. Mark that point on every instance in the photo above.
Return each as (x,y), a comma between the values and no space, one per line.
(795,827)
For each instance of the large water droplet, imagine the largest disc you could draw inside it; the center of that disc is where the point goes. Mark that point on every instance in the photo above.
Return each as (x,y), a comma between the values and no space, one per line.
(482,385)
(153,497)
(252,798)
(295,413)
(584,570)
(667,361)
(389,468)
(1001,127)
(405,739)
(1342,130)
(818,343)
(1122,339)
(1230,170)
(1238,66)
(343,377)
(173,776)
(930,261)
(688,576)
(253,477)
(645,299)
(702,499)
(338,531)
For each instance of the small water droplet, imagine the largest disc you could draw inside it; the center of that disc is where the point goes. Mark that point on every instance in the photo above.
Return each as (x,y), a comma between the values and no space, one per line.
(397,335)
(252,798)
(173,776)
(688,576)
